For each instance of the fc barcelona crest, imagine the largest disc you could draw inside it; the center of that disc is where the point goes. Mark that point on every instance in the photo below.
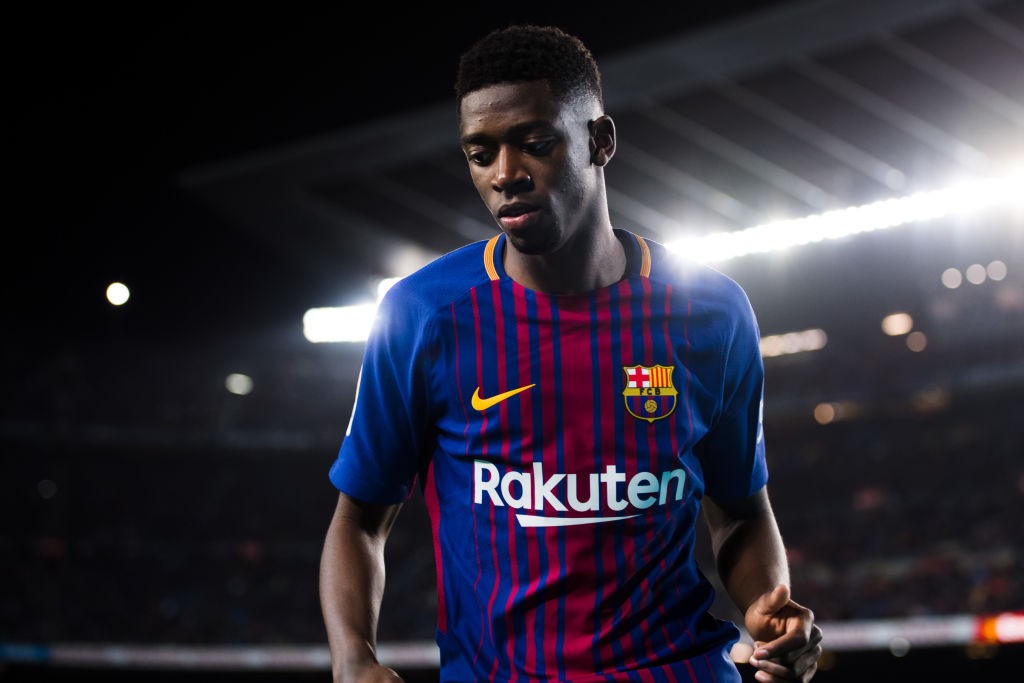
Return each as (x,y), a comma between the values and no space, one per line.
(649,393)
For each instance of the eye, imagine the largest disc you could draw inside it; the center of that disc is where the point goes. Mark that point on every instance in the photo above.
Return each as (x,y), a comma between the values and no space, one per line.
(480,157)
(539,147)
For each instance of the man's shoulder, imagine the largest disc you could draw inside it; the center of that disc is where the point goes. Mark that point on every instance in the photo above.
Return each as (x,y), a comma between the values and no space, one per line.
(444,279)
(721,302)
(691,277)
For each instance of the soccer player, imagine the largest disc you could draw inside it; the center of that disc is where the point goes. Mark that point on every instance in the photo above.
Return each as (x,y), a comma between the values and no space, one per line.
(570,398)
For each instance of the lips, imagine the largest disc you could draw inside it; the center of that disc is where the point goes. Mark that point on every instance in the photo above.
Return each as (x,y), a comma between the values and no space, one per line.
(518,215)
(516,209)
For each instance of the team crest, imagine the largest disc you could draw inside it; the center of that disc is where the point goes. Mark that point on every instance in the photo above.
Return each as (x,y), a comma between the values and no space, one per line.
(649,393)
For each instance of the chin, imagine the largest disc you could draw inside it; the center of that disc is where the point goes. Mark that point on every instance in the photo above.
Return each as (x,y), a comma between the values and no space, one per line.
(535,241)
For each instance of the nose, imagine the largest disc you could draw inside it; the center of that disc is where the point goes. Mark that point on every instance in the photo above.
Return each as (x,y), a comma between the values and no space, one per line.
(510,176)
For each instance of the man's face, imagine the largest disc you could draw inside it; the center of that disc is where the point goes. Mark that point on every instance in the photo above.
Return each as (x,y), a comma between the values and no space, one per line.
(530,159)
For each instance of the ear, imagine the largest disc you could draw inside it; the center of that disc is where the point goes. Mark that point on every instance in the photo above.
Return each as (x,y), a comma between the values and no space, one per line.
(602,140)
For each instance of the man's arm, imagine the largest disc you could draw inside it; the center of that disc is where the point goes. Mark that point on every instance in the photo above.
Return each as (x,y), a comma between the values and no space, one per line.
(751,561)
(352,585)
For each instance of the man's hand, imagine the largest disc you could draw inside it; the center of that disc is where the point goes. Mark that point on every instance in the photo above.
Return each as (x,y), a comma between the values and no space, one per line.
(787,642)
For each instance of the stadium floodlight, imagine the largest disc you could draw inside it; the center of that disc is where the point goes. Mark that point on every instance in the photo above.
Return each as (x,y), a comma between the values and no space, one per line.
(352,323)
(118,293)
(338,323)
(922,206)
(793,342)
(344,323)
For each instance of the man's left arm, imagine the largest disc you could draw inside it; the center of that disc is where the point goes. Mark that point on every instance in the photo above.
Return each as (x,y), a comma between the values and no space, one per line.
(751,561)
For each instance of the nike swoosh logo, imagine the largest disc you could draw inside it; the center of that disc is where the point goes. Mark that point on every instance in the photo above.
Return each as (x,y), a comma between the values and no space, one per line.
(480,403)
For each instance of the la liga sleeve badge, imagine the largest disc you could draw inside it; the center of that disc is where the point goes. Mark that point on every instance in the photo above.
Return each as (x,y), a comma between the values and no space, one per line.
(649,393)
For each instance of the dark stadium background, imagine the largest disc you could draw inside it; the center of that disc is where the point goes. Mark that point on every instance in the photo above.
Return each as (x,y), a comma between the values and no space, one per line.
(161,146)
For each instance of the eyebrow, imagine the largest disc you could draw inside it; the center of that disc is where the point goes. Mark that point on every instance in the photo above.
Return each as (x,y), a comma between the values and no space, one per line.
(515,131)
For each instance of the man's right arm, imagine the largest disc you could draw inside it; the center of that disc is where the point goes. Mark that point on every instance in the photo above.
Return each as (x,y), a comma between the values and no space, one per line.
(352,585)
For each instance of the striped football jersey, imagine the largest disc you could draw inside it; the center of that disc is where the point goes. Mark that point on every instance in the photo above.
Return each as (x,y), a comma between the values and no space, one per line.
(563,444)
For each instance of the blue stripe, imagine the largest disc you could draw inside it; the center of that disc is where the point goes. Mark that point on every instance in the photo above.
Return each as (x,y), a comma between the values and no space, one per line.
(489,374)
(538,455)
(522,568)
(595,362)
(619,432)
(665,459)
(637,330)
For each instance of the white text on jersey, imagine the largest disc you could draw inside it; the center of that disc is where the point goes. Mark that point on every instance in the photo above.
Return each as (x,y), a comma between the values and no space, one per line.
(532,491)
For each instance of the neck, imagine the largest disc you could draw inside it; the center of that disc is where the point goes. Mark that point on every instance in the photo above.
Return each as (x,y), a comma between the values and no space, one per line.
(589,262)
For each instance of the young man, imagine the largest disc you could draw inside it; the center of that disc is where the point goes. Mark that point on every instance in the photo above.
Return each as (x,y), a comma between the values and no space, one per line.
(569,396)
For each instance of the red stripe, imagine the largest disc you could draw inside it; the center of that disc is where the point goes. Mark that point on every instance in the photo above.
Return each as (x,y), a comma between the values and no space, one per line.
(430,499)
(609,387)
(575,326)
(500,351)
(673,431)
(652,445)
(549,455)
(629,550)
(711,668)
(524,355)
(553,539)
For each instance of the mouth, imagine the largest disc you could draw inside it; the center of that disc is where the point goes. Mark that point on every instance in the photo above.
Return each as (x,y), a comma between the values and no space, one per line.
(518,215)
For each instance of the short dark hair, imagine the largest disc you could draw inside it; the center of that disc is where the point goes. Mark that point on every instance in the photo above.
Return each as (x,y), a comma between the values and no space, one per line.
(525,52)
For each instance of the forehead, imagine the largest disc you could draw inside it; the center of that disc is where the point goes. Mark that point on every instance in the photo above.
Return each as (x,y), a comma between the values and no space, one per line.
(498,107)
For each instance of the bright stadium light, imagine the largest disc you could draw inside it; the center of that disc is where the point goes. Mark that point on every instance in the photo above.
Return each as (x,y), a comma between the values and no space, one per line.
(338,324)
(118,293)
(344,323)
(897,324)
(238,384)
(888,213)
(793,342)
(952,278)
(384,285)
(976,273)
(996,271)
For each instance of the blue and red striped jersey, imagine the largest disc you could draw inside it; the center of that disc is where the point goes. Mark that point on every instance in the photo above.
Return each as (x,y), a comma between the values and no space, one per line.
(564,444)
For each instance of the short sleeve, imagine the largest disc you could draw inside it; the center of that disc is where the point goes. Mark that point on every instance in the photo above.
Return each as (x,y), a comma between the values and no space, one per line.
(733,452)
(389,432)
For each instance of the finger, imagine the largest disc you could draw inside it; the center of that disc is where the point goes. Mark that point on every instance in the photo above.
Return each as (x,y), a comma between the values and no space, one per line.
(803,665)
(775,666)
(792,650)
(786,648)
(772,670)
(768,677)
